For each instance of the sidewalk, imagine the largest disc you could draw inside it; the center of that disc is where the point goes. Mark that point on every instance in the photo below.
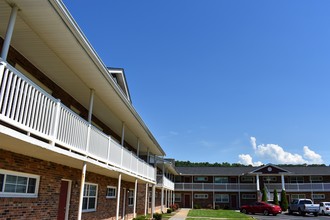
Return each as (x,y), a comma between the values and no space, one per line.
(181,215)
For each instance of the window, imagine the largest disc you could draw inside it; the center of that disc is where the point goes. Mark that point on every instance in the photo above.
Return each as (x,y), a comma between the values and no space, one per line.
(249,196)
(111,192)
(296,179)
(221,179)
(201,196)
(298,196)
(177,197)
(247,179)
(318,196)
(200,178)
(316,179)
(90,197)
(131,197)
(222,198)
(269,179)
(16,184)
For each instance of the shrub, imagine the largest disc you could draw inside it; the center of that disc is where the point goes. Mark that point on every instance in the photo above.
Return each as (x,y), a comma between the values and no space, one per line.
(264,195)
(284,201)
(226,207)
(174,206)
(157,216)
(141,217)
(275,197)
(217,207)
(197,206)
(169,210)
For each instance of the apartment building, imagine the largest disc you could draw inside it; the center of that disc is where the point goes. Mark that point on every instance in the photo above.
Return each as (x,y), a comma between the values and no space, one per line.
(72,146)
(231,187)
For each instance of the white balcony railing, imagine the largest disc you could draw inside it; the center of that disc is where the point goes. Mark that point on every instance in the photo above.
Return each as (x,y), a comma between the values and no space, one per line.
(163,181)
(300,187)
(216,187)
(25,105)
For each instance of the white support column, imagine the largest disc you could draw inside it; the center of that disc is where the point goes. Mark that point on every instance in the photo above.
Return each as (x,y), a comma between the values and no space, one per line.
(124,203)
(162,200)
(153,198)
(134,204)
(258,186)
(123,134)
(146,200)
(192,192)
(9,32)
(91,104)
(118,196)
(283,182)
(82,187)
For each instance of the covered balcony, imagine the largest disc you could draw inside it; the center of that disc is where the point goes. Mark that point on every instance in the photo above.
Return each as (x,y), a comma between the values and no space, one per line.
(216,187)
(300,187)
(29,111)
(164,182)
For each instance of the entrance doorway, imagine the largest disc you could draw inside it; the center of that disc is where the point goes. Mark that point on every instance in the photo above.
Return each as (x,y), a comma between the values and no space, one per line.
(64,200)
(233,202)
(187,201)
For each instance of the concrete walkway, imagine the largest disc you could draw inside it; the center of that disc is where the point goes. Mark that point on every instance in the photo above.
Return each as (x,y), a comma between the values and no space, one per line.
(181,215)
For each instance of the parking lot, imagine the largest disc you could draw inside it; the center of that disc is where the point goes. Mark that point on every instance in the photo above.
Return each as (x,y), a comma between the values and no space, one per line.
(288,217)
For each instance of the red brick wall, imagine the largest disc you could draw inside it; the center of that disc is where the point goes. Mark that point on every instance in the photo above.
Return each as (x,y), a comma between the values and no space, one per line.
(51,174)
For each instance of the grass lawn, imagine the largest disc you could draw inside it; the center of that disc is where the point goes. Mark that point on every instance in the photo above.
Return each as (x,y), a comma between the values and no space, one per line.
(204,214)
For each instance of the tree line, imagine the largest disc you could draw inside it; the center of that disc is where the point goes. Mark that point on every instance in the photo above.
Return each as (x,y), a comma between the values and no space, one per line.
(179,163)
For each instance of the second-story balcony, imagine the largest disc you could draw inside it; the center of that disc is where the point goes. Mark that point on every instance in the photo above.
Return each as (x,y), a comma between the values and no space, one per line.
(216,187)
(26,107)
(164,182)
(300,187)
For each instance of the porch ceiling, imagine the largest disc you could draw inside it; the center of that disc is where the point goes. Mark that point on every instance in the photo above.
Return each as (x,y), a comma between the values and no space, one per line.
(46,34)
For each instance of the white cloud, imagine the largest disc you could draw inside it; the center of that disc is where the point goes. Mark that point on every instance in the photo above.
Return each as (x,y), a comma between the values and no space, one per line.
(246,159)
(274,153)
(313,157)
(253,142)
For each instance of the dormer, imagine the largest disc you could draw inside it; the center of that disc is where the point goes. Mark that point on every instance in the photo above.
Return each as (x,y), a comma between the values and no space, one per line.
(118,74)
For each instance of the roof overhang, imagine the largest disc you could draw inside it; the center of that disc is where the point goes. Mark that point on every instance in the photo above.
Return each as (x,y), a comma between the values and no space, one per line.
(47,35)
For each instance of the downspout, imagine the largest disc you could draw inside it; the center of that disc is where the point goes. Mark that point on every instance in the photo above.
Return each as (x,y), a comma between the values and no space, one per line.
(9,32)
(82,187)
(134,204)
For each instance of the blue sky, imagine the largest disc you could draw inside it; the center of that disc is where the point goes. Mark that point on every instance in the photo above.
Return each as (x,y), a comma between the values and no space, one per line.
(222,81)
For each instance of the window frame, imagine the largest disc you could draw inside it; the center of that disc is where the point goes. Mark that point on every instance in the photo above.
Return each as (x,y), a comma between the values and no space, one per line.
(224,198)
(29,176)
(111,196)
(223,179)
(201,196)
(197,178)
(249,196)
(318,196)
(177,197)
(130,197)
(88,197)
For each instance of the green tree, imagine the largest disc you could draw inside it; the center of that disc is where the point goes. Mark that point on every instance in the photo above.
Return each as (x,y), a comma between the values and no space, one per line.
(284,201)
(275,197)
(264,195)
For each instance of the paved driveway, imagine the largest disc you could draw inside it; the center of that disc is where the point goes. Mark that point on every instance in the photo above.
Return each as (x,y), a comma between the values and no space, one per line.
(289,217)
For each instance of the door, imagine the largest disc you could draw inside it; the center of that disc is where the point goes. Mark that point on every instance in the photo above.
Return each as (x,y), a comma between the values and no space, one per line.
(63,210)
(187,201)
(233,202)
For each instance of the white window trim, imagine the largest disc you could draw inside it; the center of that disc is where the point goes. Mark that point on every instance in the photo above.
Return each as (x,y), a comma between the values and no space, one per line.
(204,180)
(20,174)
(318,196)
(96,194)
(201,196)
(111,197)
(130,196)
(298,196)
(249,196)
(177,197)
(221,197)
